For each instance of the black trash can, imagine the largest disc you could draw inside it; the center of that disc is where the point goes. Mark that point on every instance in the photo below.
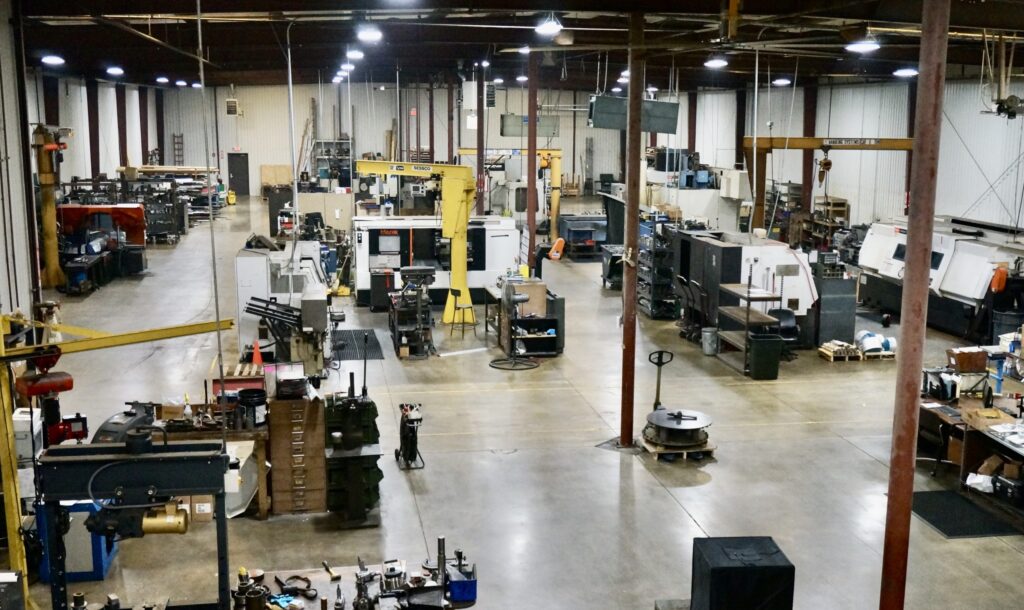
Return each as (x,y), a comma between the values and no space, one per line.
(765,353)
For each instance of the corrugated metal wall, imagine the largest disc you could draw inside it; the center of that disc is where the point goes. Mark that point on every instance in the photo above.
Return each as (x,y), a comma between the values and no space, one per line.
(183,113)
(716,127)
(110,156)
(74,113)
(873,182)
(133,126)
(980,173)
(783,107)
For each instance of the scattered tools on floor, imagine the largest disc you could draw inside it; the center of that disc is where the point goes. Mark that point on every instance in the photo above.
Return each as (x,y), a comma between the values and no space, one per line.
(334,575)
(674,429)
(408,453)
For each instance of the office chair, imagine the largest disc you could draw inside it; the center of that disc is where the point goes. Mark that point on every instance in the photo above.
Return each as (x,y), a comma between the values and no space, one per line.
(933,435)
(461,310)
(788,329)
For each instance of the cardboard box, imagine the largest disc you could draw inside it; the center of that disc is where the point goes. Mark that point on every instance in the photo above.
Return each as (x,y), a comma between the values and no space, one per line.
(202,508)
(184,503)
(955,450)
(991,466)
(170,411)
(979,419)
(967,359)
(1012,470)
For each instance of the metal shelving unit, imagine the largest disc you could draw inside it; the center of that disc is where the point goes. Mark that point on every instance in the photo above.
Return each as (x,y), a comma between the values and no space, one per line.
(745,316)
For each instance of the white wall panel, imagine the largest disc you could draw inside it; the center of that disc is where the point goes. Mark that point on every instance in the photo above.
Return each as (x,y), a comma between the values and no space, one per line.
(133,126)
(74,113)
(783,107)
(978,150)
(716,127)
(110,156)
(873,182)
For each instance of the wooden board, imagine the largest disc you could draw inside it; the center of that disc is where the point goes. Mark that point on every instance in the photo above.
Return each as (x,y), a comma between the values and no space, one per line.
(833,356)
(879,355)
(707,449)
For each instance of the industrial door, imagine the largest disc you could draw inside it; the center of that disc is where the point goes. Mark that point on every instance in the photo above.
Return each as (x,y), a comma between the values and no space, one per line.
(238,173)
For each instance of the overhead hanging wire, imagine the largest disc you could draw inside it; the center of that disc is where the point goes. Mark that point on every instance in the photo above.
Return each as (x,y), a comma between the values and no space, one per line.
(213,241)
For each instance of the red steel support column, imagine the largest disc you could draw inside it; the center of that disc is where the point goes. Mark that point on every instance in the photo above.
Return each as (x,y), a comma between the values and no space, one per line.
(533,75)
(419,113)
(481,174)
(144,124)
(691,121)
(632,226)
(914,311)
(430,122)
(122,123)
(810,125)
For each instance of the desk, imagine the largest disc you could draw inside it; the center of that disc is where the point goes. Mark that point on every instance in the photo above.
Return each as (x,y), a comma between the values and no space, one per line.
(950,430)
(492,294)
(259,449)
(978,446)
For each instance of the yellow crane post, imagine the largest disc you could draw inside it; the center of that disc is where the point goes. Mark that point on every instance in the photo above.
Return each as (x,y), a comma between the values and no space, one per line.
(458,194)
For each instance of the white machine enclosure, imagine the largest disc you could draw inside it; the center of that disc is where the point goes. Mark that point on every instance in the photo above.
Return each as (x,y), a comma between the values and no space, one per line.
(502,245)
(293,276)
(961,265)
(776,267)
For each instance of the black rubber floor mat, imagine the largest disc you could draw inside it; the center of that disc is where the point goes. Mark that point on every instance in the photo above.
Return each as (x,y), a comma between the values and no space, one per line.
(954,516)
(348,345)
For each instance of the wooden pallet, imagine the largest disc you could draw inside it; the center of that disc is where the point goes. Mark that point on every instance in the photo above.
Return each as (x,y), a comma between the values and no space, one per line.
(707,450)
(839,356)
(879,355)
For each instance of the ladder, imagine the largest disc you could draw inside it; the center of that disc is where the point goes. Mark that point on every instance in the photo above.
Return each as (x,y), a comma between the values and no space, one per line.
(179,149)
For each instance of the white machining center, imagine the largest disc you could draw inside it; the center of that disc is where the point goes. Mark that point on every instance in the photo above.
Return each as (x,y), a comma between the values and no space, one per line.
(293,277)
(964,257)
(390,243)
(507,183)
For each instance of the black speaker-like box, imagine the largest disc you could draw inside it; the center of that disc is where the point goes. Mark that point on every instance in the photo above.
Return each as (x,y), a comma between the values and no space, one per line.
(740,574)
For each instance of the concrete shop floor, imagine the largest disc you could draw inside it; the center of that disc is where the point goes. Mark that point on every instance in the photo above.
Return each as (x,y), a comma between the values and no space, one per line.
(513,475)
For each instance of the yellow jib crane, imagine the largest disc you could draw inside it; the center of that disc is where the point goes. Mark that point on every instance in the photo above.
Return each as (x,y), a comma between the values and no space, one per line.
(458,194)
(92,340)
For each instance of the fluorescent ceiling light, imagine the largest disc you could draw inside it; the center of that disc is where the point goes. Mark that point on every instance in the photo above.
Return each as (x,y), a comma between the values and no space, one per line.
(616,89)
(197,85)
(524,50)
(342,73)
(498,81)
(369,33)
(336,80)
(382,87)
(521,78)
(863,46)
(622,80)
(115,71)
(782,82)
(347,67)
(485,63)
(180,83)
(624,74)
(163,80)
(53,60)
(549,27)
(652,89)
(716,63)
(905,72)
(355,54)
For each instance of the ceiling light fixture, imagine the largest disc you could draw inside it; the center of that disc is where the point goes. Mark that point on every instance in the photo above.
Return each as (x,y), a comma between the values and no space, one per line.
(382,87)
(354,54)
(163,80)
(115,71)
(652,89)
(624,73)
(521,78)
(336,80)
(905,72)
(369,33)
(498,81)
(524,50)
(197,85)
(342,73)
(53,60)
(485,63)
(782,82)
(549,27)
(716,62)
(347,67)
(622,80)
(867,45)
(180,83)
(616,89)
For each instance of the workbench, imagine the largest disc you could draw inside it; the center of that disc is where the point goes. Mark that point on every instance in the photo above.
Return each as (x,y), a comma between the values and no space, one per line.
(259,448)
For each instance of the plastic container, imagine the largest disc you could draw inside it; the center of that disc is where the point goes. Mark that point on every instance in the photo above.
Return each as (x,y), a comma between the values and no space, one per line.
(765,353)
(709,340)
(255,401)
